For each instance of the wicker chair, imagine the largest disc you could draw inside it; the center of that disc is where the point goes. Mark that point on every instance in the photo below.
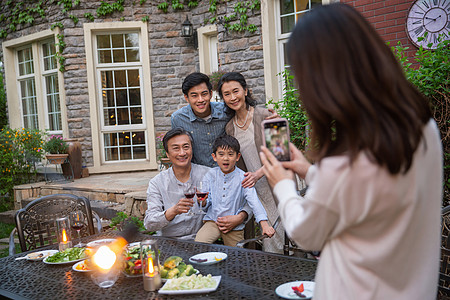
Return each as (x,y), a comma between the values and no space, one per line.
(36,225)
(444,272)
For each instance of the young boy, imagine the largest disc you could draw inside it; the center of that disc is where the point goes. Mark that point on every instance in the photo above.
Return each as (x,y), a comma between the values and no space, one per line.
(227,196)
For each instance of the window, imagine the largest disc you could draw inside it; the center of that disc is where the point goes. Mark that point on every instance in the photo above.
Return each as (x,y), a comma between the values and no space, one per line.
(31,69)
(121,109)
(119,67)
(289,13)
(278,19)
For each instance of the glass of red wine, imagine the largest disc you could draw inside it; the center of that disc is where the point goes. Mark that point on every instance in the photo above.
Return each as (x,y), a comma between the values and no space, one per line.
(77,222)
(189,193)
(202,194)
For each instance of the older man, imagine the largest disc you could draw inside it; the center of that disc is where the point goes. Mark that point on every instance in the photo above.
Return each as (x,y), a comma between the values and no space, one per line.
(167,205)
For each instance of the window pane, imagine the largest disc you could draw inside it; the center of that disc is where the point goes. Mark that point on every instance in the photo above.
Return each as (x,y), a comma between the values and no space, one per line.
(315,3)
(124,138)
(133,78)
(49,51)
(138,138)
(302,5)
(29,104)
(53,103)
(120,78)
(136,115)
(117,41)
(119,56)
(108,98)
(103,41)
(135,96)
(131,40)
(125,153)
(132,55)
(110,139)
(110,117)
(121,98)
(287,24)
(104,56)
(139,153)
(286,6)
(122,116)
(111,154)
(107,79)
(25,58)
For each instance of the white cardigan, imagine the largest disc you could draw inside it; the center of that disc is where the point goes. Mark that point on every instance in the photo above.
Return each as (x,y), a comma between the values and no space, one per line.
(379,234)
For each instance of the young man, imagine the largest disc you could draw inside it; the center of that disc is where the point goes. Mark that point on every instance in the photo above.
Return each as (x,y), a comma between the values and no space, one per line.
(205,120)
(226,196)
(167,205)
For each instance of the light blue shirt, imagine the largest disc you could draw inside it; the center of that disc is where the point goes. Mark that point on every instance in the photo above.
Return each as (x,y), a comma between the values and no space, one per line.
(228,197)
(204,132)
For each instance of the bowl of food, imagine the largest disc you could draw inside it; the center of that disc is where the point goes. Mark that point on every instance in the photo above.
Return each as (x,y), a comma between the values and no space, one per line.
(132,260)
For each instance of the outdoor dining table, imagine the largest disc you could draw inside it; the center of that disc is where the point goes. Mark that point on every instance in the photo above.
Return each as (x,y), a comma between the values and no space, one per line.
(246,274)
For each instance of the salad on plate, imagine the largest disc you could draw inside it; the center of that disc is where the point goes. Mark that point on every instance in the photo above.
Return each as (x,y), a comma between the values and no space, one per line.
(67,256)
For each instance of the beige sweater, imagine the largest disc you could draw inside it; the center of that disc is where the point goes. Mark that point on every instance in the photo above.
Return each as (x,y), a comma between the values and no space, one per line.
(379,234)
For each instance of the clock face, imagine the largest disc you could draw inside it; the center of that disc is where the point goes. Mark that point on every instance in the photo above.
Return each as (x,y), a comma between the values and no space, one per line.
(429,19)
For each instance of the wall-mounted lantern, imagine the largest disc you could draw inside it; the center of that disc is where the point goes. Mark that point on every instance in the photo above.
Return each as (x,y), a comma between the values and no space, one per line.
(189,33)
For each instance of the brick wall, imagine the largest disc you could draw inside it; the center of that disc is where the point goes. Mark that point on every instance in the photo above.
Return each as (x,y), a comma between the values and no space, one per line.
(388,17)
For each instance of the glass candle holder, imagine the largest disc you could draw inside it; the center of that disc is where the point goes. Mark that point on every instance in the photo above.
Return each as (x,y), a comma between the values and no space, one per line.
(63,233)
(105,266)
(150,265)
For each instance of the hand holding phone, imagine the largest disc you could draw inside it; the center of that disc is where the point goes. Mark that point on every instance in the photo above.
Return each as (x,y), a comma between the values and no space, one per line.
(276,137)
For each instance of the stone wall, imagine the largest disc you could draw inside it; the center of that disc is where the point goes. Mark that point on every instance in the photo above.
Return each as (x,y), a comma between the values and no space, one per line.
(171,59)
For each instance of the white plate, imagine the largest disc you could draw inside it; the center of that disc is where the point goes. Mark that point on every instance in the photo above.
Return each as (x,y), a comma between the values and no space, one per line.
(285,290)
(100,242)
(74,267)
(40,255)
(211,258)
(197,291)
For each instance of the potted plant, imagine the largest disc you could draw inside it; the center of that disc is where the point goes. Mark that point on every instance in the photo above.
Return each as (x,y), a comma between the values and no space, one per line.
(161,152)
(56,149)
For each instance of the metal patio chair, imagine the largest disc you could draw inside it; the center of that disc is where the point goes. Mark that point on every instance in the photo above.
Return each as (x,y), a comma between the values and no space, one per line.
(444,271)
(36,222)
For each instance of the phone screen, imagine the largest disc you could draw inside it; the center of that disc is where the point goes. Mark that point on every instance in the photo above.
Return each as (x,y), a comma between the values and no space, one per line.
(276,136)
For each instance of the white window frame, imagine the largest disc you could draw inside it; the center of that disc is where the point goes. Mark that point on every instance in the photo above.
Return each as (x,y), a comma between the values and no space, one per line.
(273,42)
(12,77)
(96,103)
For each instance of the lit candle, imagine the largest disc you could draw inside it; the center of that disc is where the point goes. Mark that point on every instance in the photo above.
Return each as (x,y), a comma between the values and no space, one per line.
(150,265)
(62,226)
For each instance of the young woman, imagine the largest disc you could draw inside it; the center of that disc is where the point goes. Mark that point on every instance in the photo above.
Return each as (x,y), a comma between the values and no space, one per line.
(374,197)
(245,126)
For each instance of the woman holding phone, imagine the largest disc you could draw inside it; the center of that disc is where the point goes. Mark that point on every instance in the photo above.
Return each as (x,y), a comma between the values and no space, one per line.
(245,126)
(374,197)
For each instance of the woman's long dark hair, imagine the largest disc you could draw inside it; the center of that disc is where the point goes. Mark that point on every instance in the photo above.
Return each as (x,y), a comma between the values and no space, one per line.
(238,77)
(354,90)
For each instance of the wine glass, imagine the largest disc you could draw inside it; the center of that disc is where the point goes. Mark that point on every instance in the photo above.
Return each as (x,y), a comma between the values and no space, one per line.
(189,193)
(202,193)
(77,223)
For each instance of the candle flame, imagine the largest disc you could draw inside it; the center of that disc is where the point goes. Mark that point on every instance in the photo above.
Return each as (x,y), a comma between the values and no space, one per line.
(104,257)
(64,235)
(151,268)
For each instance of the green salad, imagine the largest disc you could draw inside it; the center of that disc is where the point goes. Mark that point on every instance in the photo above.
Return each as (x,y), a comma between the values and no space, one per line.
(67,255)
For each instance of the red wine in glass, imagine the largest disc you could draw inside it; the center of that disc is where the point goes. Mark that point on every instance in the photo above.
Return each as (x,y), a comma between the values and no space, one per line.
(189,195)
(201,195)
(78,226)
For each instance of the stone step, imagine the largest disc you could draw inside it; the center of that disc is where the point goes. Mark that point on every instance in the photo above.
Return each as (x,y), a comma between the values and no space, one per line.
(7,216)
(6,240)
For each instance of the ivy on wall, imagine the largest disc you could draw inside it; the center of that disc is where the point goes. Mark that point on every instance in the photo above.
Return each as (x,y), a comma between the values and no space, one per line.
(27,11)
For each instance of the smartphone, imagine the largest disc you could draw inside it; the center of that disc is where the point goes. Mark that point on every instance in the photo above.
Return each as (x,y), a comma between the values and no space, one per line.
(276,137)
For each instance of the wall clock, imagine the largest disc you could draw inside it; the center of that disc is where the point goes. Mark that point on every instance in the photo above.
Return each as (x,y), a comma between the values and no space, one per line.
(431,17)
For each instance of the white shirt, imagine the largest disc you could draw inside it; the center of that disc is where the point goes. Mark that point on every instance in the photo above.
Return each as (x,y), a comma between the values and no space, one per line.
(379,234)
